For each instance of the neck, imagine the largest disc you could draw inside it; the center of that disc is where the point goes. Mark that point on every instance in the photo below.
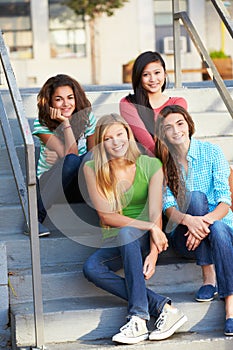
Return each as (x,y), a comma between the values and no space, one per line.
(157,99)
(182,150)
(118,162)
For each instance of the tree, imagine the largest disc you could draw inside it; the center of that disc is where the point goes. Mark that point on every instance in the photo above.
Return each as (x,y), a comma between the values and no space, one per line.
(94,9)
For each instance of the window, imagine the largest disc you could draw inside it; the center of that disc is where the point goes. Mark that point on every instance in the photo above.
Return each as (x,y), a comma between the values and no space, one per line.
(67,31)
(15,22)
(164,24)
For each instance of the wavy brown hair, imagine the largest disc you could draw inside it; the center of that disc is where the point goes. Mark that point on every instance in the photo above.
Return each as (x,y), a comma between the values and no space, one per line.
(166,153)
(105,177)
(80,118)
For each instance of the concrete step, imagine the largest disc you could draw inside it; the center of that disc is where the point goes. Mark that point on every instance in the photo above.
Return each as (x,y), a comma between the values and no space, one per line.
(5,166)
(55,280)
(84,319)
(226,144)
(213,124)
(179,341)
(8,191)
(11,219)
(54,250)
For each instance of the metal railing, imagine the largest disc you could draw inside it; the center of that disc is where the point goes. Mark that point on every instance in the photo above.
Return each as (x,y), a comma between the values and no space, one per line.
(213,72)
(26,192)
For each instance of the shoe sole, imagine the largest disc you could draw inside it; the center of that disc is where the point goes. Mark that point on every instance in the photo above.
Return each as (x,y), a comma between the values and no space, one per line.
(228,334)
(170,331)
(210,299)
(41,234)
(136,340)
(44,234)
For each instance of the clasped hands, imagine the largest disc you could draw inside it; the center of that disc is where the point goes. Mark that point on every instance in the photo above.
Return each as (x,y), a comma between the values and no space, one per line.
(198,229)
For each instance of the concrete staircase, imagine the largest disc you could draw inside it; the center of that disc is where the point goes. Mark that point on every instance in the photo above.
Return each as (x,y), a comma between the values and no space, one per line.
(77,315)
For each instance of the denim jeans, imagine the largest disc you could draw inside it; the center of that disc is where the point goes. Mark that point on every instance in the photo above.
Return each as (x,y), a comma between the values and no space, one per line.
(216,248)
(62,180)
(101,266)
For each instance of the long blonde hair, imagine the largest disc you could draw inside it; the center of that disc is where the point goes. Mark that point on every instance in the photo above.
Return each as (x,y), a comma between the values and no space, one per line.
(105,177)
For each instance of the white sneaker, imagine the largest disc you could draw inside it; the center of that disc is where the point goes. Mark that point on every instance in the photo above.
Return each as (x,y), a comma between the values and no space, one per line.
(42,230)
(167,323)
(132,332)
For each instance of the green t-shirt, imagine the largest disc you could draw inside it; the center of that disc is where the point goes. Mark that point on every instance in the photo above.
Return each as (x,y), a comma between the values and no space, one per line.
(136,198)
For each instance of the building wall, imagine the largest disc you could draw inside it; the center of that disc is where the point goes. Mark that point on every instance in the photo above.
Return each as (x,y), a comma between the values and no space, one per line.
(119,39)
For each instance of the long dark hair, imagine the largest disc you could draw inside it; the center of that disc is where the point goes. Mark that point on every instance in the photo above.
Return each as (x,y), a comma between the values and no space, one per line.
(165,152)
(140,97)
(80,117)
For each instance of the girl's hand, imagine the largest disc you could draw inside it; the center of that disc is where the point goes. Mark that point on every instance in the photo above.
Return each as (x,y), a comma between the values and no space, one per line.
(149,265)
(51,156)
(198,226)
(55,114)
(159,238)
(192,242)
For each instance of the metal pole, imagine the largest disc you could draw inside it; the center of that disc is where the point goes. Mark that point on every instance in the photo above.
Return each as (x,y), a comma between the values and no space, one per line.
(31,215)
(176,43)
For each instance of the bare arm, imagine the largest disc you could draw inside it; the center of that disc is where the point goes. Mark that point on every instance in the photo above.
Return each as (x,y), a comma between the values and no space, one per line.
(90,142)
(158,239)
(70,145)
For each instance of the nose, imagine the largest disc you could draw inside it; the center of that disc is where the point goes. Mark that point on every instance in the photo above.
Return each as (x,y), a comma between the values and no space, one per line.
(65,102)
(152,78)
(115,140)
(175,129)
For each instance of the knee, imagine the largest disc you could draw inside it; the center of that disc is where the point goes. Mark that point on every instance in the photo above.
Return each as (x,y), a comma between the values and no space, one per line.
(198,195)
(197,203)
(89,270)
(72,160)
(219,233)
(71,164)
(128,235)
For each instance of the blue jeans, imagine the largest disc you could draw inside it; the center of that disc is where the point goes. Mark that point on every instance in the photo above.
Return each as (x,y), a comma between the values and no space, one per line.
(216,248)
(101,266)
(62,180)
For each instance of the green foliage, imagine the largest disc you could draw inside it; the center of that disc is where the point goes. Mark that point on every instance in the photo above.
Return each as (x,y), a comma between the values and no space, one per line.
(94,8)
(218,54)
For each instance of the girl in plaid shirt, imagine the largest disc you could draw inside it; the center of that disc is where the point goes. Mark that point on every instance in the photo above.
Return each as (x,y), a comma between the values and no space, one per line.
(197,202)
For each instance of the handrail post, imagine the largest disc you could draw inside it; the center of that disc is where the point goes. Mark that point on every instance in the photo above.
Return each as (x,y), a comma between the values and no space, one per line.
(176,44)
(30,209)
(224,15)
(217,79)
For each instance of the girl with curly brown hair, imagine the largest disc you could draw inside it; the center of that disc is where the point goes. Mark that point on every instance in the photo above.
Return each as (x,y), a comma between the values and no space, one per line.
(65,127)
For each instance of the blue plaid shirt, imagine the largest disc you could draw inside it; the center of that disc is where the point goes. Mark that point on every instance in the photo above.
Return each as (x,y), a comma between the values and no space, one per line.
(208,172)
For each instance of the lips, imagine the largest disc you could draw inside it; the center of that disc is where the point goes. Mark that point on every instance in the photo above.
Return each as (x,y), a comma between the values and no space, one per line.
(118,148)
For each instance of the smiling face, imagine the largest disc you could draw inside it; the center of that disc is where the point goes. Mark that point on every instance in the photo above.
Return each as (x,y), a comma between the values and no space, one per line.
(176,129)
(153,77)
(116,141)
(63,99)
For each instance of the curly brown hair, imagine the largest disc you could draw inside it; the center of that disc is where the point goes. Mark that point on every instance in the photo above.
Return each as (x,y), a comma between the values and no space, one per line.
(80,117)
(166,153)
